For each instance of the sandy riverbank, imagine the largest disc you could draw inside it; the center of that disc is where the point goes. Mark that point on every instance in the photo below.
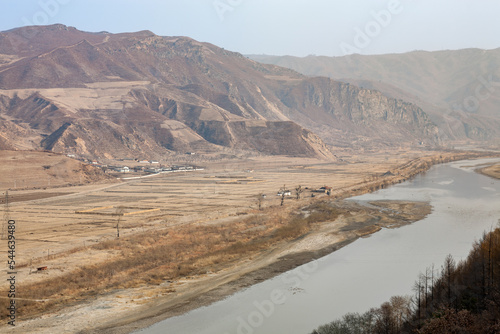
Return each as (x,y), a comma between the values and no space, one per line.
(491,171)
(148,305)
(264,267)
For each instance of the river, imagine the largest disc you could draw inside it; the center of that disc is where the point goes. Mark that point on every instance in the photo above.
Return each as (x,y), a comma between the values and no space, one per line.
(365,273)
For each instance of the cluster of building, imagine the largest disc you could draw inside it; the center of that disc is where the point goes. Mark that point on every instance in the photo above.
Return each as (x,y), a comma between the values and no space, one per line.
(150,169)
(131,165)
(323,190)
(141,166)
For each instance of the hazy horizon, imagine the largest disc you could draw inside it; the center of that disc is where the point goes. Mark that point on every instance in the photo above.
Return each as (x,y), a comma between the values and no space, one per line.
(279,27)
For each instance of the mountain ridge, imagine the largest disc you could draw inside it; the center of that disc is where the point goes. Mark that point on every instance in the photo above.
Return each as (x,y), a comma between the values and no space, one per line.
(156,95)
(456,88)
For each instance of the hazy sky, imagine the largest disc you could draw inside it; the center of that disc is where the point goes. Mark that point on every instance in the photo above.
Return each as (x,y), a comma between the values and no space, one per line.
(281,27)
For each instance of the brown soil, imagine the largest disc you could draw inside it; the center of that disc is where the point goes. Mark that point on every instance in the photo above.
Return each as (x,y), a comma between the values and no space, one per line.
(29,170)
(19,197)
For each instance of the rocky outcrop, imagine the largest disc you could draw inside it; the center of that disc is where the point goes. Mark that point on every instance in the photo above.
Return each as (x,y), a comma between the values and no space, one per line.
(124,94)
(356,113)
(458,89)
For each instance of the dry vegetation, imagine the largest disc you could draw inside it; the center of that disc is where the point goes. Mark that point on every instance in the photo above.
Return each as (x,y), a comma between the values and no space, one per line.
(201,225)
(493,171)
(39,170)
(152,258)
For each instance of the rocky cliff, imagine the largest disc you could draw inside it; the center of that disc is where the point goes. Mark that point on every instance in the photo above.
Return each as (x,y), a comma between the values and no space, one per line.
(115,95)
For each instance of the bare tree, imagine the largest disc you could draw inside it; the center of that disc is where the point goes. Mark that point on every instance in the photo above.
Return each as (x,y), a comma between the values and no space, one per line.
(401,311)
(385,320)
(299,191)
(432,287)
(282,193)
(490,266)
(260,199)
(447,273)
(417,287)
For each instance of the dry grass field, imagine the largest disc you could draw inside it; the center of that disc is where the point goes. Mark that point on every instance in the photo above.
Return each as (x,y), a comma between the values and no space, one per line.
(212,214)
(24,170)
(84,215)
(493,171)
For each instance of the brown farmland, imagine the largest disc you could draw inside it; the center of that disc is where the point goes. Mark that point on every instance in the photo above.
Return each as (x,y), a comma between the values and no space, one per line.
(211,219)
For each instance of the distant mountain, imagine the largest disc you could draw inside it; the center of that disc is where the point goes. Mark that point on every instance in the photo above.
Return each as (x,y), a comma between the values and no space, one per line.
(135,94)
(460,90)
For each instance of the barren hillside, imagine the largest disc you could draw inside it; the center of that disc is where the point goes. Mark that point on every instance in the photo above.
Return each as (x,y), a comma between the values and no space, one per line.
(24,170)
(115,95)
(458,89)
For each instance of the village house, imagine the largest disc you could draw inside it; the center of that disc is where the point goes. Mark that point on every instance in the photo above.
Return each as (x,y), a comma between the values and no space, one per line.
(152,170)
(324,189)
(124,169)
(284,193)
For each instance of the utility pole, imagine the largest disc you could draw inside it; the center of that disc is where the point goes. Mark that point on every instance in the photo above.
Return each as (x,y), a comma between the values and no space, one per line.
(6,216)
(119,213)
(118,229)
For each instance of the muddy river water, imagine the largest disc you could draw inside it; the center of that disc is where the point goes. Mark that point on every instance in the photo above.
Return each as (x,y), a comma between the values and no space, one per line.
(367,272)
